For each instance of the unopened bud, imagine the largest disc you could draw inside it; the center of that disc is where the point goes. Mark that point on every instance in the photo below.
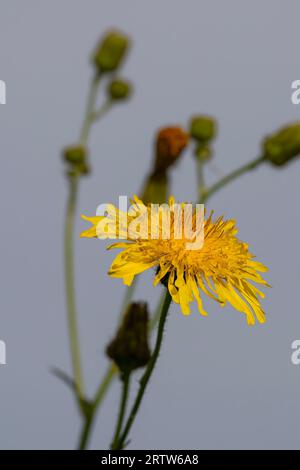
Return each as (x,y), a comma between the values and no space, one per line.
(75,154)
(282,146)
(111,51)
(84,168)
(76,157)
(130,349)
(170,143)
(203,128)
(119,90)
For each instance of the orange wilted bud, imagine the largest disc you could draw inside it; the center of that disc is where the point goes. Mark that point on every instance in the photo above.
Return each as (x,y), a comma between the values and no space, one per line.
(170,143)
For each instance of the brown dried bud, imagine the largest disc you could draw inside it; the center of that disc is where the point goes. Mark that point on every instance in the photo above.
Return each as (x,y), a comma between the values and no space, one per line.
(130,349)
(170,143)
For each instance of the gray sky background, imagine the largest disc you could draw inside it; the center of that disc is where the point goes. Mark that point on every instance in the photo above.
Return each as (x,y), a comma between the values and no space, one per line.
(218,383)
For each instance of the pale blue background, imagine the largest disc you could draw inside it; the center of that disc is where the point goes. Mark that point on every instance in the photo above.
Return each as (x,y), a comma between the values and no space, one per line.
(218,384)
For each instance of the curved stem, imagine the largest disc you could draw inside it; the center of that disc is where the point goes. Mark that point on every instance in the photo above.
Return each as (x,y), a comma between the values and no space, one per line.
(232,176)
(124,396)
(146,377)
(70,290)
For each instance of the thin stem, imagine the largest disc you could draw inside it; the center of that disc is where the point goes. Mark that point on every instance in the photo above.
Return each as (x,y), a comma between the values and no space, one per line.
(85,433)
(201,182)
(89,113)
(105,382)
(69,254)
(101,391)
(124,397)
(99,396)
(232,176)
(70,290)
(156,316)
(146,377)
(128,296)
(98,114)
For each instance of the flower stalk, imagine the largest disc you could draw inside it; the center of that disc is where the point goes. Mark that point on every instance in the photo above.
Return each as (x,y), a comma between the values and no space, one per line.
(70,291)
(106,60)
(233,176)
(73,179)
(147,374)
(124,397)
(89,113)
(201,183)
(99,396)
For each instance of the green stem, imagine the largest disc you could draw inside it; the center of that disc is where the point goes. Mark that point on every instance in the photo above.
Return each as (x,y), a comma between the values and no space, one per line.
(105,382)
(96,115)
(102,389)
(232,176)
(99,396)
(89,113)
(128,296)
(146,376)
(201,182)
(85,433)
(69,254)
(124,397)
(156,316)
(70,289)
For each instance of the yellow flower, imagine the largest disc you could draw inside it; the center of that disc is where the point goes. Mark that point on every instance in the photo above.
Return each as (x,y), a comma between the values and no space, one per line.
(223,268)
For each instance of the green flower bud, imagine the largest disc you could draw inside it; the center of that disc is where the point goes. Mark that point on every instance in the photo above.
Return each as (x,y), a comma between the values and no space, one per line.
(75,154)
(119,90)
(203,128)
(76,157)
(84,168)
(111,51)
(282,146)
(130,348)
